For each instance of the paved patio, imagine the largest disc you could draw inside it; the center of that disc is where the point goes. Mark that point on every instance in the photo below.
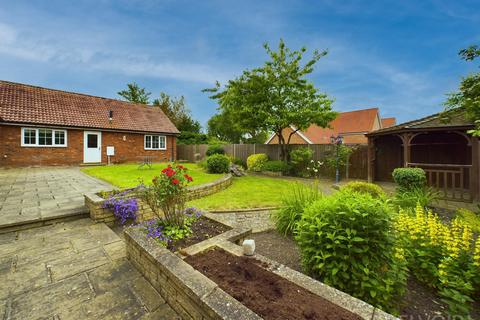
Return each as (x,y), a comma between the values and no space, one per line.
(29,195)
(73,270)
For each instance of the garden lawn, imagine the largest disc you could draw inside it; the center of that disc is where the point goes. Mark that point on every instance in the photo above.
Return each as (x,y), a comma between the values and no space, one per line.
(247,192)
(129,175)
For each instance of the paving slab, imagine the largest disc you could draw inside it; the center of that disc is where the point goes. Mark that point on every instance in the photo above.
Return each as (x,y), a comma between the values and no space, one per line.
(32,195)
(73,270)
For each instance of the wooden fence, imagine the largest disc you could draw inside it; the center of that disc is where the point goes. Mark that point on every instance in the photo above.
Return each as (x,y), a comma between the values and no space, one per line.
(357,168)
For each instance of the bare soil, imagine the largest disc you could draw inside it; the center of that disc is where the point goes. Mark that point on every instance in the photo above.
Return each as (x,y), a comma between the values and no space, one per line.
(419,301)
(202,229)
(265,293)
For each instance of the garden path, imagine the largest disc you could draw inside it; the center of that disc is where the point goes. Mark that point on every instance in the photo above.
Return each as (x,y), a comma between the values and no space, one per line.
(73,270)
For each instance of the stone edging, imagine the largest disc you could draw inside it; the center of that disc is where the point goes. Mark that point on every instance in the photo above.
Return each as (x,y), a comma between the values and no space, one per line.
(194,296)
(94,203)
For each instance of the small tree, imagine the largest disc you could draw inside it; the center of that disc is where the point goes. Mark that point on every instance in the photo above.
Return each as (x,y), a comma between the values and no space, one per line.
(277,95)
(468,96)
(135,94)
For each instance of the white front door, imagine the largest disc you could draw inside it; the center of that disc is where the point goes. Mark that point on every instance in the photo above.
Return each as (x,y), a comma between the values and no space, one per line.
(92,147)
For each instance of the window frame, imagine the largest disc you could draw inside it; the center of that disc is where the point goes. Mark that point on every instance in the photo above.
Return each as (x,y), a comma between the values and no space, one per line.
(37,138)
(160,137)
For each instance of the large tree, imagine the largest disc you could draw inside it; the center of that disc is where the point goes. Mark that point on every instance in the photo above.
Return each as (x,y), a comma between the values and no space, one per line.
(134,93)
(224,126)
(178,112)
(276,95)
(467,98)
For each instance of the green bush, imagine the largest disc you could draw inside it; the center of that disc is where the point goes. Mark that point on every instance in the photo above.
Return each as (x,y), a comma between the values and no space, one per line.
(346,241)
(276,166)
(238,162)
(300,159)
(409,198)
(331,159)
(407,178)
(293,205)
(365,187)
(470,218)
(215,149)
(255,162)
(218,163)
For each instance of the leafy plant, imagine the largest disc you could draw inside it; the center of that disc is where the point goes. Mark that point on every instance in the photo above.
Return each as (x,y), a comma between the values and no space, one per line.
(408,178)
(218,163)
(215,149)
(364,187)
(238,162)
(442,255)
(409,198)
(346,241)
(287,217)
(276,166)
(314,168)
(331,159)
(300,159)
(167,195)
(255,162)
(469,218)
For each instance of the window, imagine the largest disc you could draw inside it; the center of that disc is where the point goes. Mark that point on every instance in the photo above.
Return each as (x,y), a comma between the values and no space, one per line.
(92,141)
(155,142)
(42,137)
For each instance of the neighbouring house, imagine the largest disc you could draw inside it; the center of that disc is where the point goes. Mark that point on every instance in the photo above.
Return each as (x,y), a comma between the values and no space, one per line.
(445,150)
(41,127)
(352,126)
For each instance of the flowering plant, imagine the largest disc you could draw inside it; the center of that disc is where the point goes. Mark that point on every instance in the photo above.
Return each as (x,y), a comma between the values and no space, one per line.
(167,195)
(166,234)
(314,168)
(123,209)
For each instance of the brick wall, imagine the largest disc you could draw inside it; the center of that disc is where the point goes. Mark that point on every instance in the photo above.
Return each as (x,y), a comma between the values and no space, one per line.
(129,147)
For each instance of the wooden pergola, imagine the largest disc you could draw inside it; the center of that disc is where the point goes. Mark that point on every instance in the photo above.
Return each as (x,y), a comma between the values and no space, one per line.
(447,153)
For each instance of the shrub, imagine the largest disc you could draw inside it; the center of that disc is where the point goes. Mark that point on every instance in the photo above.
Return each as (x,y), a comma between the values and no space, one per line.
(365,187)
(346,241)
(287,217)
(276,166)
(238,162)
(255,162)
(215,149)
(218,163)
(300,159)
(408,178)
(469,218)
(409,198)
(442,255)
(167,194)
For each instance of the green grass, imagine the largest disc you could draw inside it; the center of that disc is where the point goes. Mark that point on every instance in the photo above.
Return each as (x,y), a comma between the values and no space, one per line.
(248,192)
(128,175)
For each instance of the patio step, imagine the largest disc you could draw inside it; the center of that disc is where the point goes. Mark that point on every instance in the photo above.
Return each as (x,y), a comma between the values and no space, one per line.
(92,164)
(58,216)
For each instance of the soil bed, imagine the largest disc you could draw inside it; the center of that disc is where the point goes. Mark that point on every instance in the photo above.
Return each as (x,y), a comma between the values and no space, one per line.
(419,301)
(265,293)
(202,229)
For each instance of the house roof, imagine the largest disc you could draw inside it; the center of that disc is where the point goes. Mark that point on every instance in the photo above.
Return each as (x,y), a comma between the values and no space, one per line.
(347,123)
(436,120)
(26,104)
(388,122)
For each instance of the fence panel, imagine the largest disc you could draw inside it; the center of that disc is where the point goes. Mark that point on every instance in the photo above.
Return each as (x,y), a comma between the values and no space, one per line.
(357,168)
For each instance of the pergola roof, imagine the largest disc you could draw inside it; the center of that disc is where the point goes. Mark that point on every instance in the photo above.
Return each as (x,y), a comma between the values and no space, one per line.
(435,121)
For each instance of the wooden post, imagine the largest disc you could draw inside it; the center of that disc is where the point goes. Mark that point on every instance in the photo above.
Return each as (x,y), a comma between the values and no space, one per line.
(406,149)
(371,159)
(475,169)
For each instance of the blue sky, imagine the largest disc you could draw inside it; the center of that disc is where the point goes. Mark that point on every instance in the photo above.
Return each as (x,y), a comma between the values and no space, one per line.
(400,56)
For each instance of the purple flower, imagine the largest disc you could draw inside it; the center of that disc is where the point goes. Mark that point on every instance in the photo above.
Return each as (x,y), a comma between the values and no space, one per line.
(123,209)
(193,212)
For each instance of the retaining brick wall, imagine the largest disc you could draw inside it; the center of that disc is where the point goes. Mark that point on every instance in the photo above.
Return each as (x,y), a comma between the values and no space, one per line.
(94,203)
(129,147)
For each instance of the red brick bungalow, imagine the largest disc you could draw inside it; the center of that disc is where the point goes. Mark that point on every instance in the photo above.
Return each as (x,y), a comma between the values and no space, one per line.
(41,127)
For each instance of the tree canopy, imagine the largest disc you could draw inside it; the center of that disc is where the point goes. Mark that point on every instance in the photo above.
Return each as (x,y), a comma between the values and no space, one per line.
(134,93)
(276,95)
(467,98)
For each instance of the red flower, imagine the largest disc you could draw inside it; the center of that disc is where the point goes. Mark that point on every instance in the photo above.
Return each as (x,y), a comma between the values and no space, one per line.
(175,181)
(165,170)
(170,173)
(188,177)
(180,167)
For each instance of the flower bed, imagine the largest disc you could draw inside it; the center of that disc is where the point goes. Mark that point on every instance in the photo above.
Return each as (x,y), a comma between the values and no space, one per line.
(95,202)
(195,296)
